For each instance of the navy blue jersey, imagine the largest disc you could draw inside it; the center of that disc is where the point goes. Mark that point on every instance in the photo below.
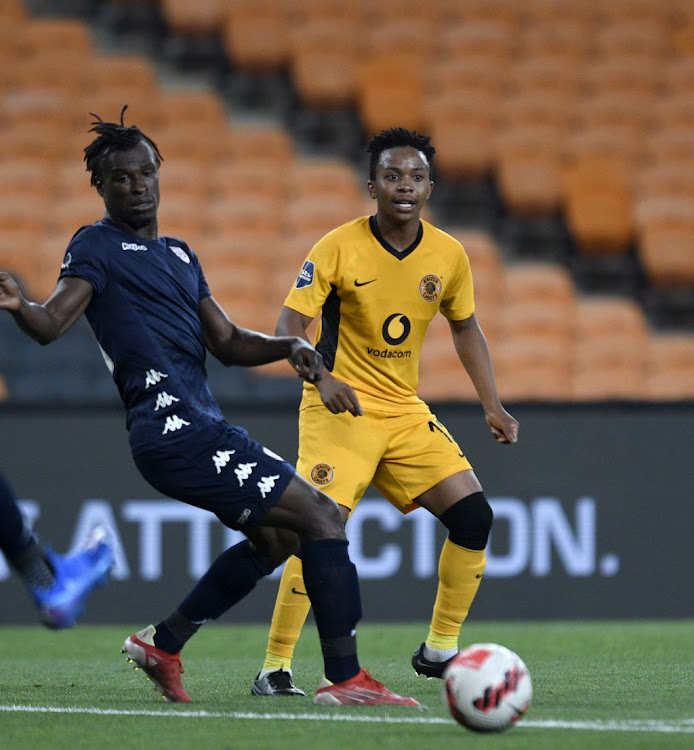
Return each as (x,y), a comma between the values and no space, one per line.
(144,313)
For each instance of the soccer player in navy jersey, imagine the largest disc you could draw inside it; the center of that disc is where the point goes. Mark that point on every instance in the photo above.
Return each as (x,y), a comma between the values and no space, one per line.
(58,584)
(149,305)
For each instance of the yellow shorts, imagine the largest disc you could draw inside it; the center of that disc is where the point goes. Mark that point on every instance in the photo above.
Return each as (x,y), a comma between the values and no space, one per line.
(402,455)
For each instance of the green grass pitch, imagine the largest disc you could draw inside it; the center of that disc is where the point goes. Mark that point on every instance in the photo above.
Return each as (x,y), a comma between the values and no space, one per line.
(614,685)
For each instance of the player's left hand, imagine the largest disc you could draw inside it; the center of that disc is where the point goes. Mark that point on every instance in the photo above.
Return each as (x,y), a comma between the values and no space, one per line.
(503,426)
(307,362)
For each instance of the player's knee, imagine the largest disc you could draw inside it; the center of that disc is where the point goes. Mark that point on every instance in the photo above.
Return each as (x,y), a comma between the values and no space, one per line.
(469,521)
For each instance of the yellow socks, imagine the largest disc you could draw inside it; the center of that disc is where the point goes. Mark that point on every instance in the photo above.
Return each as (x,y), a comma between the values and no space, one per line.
(460,574)
(291,610)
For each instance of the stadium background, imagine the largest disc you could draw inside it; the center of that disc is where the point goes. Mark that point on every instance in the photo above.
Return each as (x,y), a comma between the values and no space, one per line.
(565,165)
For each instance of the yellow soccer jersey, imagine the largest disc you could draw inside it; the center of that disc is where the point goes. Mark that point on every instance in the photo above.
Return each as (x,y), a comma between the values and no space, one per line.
(376,304)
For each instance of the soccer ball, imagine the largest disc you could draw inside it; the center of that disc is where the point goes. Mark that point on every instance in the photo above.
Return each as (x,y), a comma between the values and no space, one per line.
(487,687)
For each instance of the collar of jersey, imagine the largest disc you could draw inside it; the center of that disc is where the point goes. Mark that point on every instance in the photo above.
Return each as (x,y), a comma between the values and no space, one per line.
(387,246)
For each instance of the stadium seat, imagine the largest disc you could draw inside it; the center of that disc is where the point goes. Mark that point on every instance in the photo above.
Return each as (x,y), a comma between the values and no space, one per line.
(542,320)
(192,108)
(120,75)
(268,143)
(673,144)
(199,18)
(466,77)
(611,317)
(666,252)
(324,80)
(615,109)
(208,142)
(550,73)
(533,368)
(671,366)
(678,75)
(386,97)
(672,180)
(312,213)
(257,39)
(384,11)
(538,12)
(630,73)
(528,169)
(68,73)
(608,384)
(494,39)
(13,11)
(567,40)
(323,177)
(336,12)
(462,127)
(252,213)
(55,37)
(408,34)
(538,109)
(249,176)
(597,206)
(26,177)
(539,283)
(673,112)
(640,37)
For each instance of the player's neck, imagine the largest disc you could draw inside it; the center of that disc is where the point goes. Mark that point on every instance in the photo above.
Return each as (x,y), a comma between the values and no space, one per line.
(149,231)
(398,236)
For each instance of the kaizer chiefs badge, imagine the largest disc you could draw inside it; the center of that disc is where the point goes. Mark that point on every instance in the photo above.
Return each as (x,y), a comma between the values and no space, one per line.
(430,288)
(322,474)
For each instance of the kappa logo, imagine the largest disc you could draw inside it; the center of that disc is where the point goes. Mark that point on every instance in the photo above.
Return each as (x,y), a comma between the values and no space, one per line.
(305,277)
(243,517)
(322,474)
(133,246)
(174,423)
(243,471)
(164,399)
(66,263)
(221,459)
(180,253)
(152,377)
(267,484)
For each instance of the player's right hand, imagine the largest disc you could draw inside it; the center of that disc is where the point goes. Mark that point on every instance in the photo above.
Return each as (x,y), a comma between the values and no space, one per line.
(10,296)
(337,396)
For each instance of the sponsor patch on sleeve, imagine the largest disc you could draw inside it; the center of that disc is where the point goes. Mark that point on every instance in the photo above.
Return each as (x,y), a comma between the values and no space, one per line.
(305,277)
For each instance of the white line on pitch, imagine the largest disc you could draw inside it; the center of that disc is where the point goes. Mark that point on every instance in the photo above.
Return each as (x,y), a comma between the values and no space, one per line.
(684,726)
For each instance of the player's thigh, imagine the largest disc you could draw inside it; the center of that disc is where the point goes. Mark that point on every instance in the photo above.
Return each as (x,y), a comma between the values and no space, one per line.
(421,454)
(339,453)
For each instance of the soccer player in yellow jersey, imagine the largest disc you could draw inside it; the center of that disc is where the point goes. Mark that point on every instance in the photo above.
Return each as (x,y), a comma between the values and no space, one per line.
(377,282)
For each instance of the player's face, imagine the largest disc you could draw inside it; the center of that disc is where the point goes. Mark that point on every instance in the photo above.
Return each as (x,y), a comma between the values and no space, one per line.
(402,185)
(130,187)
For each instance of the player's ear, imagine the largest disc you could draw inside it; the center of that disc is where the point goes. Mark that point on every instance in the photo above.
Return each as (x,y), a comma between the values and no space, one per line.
(372,189)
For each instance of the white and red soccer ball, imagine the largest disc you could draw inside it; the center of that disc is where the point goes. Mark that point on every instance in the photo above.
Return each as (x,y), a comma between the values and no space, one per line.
(487,687)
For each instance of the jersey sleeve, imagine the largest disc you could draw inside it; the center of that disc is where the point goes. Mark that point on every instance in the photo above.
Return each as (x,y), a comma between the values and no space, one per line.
(459,301)
(315,279)
(86,259)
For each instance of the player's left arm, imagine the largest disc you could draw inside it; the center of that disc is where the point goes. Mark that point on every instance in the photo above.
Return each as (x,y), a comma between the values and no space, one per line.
(233,345)
(473,351)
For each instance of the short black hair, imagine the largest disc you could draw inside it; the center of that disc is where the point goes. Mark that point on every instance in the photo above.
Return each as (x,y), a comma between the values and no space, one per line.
(395,138)
(113,136)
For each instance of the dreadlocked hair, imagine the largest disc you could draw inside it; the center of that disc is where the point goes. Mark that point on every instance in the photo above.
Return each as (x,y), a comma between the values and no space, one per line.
(112,136)
(396,138)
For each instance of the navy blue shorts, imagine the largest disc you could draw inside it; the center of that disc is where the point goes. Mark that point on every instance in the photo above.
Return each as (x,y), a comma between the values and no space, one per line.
(221,469)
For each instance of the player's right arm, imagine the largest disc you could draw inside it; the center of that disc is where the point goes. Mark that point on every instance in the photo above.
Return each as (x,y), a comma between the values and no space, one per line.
(48,321)
(337,396)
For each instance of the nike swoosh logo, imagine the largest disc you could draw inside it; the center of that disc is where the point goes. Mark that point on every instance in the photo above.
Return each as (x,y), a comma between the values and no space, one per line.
(296,591)
(363,283)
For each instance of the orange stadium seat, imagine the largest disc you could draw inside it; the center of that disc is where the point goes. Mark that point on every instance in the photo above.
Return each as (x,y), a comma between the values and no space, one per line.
(630,73)
(192,108)
(495,39)
(325,79)
(28,177)
(55,37)
(261,143)
(208,142)
(542,320)
(639,37)
(613,383)
(539,283)
(313,213)
(334,11)
(533,368)
(386,97)
(462,128)
(682,40)
(120,75)
(257,39)
(335,179)
(547,74)
(508,11)
(616,109)
(379,11)
(678,76)
(610,317)
(252,213)
(407,34)
(199,18)
(244,177)
(673,112)
(538,109)
(29,105)
(12,11)
(671,179)
(69,73)
(629,11)
(558,11)
(564,39)
(42,140)
(466,77)
(597,207)
(671,145)
(528,169)
(666,253)
(671,366)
